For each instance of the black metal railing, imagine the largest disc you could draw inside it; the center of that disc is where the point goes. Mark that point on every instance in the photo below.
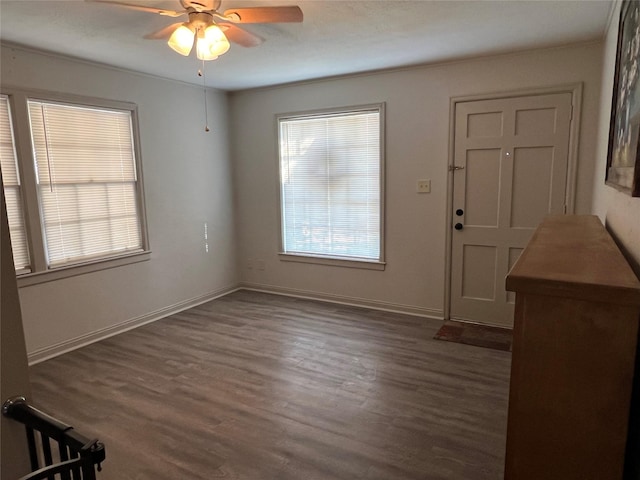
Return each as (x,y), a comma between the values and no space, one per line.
(73,456)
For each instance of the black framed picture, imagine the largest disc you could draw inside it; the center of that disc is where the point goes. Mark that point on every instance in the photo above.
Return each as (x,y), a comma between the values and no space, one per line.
(623,163)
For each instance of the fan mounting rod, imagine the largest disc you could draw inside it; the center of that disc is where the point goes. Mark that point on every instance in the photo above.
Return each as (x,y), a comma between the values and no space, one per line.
(200,20)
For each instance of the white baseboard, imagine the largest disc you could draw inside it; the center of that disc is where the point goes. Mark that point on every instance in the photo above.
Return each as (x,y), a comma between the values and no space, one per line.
(344,300)
(51,351)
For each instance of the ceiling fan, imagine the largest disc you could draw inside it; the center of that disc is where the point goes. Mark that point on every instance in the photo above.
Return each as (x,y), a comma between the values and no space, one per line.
(211,28)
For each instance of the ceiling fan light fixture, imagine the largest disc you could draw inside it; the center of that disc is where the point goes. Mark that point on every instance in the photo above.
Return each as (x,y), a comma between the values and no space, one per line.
(203,50)
(211,40)
(181,39)
(216,40)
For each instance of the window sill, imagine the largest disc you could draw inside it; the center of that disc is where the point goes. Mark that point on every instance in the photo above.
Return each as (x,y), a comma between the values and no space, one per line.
(332,261)
(81,268)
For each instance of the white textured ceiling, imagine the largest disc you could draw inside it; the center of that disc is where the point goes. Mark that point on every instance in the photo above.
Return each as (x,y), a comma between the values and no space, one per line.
(336,37)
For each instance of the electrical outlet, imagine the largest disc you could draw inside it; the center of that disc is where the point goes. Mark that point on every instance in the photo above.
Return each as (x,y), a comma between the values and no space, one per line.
(261,265)
(423,186)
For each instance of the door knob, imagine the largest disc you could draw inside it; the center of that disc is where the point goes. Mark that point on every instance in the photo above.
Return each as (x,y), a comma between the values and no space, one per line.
(458,226)
(459,212)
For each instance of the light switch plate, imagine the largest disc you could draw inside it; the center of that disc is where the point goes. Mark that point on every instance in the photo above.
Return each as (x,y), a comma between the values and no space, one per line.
(424,186)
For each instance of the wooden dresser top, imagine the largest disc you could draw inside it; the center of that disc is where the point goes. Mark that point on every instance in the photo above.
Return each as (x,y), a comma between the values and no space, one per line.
(574,256)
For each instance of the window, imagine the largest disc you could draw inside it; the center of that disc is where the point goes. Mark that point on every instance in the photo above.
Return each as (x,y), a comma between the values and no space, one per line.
(73,188)
(331,177)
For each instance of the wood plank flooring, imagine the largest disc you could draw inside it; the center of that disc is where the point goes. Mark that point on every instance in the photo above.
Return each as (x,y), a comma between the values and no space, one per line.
(255,386)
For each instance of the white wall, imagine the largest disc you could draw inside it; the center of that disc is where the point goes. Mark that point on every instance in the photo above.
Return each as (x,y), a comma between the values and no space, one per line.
(619,211)
(187,181)
(417,129)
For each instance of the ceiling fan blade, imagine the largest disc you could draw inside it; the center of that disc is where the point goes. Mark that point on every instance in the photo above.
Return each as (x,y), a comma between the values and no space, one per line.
(168,13)
(163,32)
(264,15)
(241,37)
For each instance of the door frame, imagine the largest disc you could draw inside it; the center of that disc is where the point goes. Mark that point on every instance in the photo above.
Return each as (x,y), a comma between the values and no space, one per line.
(575,89)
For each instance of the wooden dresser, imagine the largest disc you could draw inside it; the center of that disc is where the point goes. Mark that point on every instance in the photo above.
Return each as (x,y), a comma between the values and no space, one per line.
(575,334)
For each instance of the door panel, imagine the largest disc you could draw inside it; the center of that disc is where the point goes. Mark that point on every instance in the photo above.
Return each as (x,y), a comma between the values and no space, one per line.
(478,258)
(487,124)
(514,154)
(538,121)
(531,186)
(482,187)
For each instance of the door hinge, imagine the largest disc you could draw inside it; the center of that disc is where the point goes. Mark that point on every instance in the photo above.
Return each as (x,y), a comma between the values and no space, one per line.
(453,168)
(571,113)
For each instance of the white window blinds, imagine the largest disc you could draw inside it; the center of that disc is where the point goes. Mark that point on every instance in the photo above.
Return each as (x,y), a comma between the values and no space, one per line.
(86,175)
(330,167)
(12,188)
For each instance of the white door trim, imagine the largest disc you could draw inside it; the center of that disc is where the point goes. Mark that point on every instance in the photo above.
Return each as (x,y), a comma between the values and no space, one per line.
(575,90)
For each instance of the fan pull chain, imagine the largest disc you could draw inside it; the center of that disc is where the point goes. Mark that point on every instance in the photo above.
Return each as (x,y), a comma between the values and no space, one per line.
(202,74)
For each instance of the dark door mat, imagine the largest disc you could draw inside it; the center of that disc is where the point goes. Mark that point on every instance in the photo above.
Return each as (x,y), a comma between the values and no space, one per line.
(473,334)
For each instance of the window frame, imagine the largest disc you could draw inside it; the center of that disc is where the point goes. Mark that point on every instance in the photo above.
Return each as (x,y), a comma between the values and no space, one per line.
(334,260)
(20,186)
(40,271)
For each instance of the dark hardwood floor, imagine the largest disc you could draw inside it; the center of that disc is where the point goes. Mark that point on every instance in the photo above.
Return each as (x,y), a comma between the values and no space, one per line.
(258,387)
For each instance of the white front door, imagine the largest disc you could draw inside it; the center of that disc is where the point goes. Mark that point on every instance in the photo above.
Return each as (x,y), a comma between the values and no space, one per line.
(511,158)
